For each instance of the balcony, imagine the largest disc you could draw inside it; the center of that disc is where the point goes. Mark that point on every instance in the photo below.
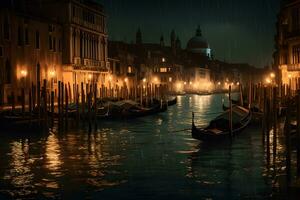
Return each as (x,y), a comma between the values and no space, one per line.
(90,65)
(293,34)
(293,67)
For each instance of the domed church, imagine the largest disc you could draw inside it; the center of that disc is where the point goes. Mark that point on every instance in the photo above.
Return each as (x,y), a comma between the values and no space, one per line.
(199,45)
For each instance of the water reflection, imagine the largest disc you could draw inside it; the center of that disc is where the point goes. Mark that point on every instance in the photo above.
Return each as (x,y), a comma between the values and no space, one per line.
(153,156)
(53,155)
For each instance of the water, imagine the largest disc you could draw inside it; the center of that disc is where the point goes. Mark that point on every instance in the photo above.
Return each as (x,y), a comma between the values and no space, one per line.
(147,158)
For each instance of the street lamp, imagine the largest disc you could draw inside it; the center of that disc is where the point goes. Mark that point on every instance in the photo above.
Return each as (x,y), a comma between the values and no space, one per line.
(23,73)
(272,75)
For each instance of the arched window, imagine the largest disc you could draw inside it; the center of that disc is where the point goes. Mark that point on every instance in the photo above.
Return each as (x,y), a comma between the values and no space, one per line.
(38,72)
(6,29)
(7,72)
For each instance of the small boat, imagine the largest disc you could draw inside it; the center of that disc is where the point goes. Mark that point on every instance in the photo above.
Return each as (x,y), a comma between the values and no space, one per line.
(256,112)
(219,128)
(172,101)
(19,122)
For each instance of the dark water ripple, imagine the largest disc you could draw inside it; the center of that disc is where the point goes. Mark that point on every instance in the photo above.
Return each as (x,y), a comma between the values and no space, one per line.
(149,158)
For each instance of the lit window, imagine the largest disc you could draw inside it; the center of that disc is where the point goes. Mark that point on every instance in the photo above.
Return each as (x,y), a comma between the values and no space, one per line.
(129,69)
(163,70)
(26,36)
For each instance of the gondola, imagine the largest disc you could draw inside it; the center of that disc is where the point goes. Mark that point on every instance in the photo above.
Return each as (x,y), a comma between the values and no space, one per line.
(19,122)
(172,102)
(256,112)
(219,128)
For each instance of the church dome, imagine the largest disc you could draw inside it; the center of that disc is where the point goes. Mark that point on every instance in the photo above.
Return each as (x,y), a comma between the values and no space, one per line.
(198,44)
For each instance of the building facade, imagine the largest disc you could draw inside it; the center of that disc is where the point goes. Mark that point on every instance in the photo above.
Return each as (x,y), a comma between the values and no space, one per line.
(53,40)
(287,42)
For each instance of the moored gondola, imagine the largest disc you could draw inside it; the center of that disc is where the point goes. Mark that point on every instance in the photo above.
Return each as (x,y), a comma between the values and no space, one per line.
(219,128)
(172,101)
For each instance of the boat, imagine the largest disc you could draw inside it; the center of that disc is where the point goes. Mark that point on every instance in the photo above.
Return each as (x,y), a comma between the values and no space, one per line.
(256,112)
(219,128)
(172,101)
(20,122)
(128,110)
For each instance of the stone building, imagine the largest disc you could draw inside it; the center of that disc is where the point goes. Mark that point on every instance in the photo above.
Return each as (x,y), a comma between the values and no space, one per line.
(287,42)
(53,40)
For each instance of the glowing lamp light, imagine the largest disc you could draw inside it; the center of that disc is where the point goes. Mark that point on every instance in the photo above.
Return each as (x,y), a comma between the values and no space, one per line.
(23,73)
(155,79)
(184,83)
(272,75)
(290,76)
(219,83)
(90,76)
(52,73)
(268,81)
(126,80)
(191,83)
(109,77)
(238,83)
(163,60)
(178,85)
(144,80)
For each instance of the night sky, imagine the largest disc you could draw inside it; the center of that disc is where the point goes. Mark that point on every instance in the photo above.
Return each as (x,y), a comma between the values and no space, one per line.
(237,30)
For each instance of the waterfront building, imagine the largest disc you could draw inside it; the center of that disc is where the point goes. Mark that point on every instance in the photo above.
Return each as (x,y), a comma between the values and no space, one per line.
(287,43)
(53,40)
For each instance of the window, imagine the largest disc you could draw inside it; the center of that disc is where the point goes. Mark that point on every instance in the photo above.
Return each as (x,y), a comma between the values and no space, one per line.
(20,36)
(163,70)
(59,45)
(37,39)
(1,51)
(7,72)
(50,42)
(6,29)
(129,70)
(296,54)
(54,44)
(26,36)
(295,19)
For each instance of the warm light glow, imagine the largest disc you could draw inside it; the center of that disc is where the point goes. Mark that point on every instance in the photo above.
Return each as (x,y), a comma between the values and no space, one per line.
(144,80)
(52,73)
(272,75)
(219,83)
(110,77)
(126,80)
(238,83)
(23,73)
(191,82)
(184,83)
(290,76)
(178,85)
(268,81)
(170,79)
(90,76)
(155,79)
(163,60)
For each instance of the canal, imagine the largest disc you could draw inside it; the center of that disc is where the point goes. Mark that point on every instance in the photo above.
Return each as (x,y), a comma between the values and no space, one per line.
(147,158)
